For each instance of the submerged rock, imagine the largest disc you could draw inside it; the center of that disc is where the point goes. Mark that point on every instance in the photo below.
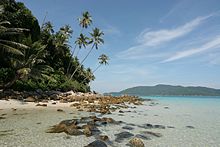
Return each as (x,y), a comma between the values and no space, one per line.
(190,127)
(136,142)
(143,137)
(123,135)
(97,143)
(152,133)
(128,128)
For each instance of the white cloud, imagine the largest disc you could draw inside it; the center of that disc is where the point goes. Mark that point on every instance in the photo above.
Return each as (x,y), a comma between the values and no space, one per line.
(215,43)
(112,30)
(154,39)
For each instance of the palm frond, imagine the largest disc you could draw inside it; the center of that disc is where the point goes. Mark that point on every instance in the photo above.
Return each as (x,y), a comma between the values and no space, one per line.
(10,49)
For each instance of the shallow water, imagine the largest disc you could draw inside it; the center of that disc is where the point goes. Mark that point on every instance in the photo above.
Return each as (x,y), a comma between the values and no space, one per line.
(27,127)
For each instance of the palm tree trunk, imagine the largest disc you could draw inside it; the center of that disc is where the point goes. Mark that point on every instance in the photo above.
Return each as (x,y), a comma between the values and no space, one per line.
(69,65)
(82,62)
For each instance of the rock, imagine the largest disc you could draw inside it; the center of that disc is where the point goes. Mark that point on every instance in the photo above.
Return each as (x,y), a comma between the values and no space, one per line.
(30,99)
(190,127)
(54,103)
(159,127)
(2,117)
(60,110)
(146,126)
(54,97)
(142,137)
(73,131)
(136,142)
(97,143)
(87,131)
(104,137)
(152,133)
(123,135)
(120,111)
(166,107)
(172,127)
(42,105)
(128,128)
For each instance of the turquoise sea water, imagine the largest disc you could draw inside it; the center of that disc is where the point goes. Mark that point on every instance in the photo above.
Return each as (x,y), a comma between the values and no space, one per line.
(188,100)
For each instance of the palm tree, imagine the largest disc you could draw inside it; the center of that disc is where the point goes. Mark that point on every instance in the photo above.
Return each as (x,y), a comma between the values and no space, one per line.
(31,65)
(8,46)
(96,40)
(103,60)
(86,20)
(82,41)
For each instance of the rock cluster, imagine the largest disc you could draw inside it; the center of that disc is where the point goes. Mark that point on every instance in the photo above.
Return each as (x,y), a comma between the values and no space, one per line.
(87,126)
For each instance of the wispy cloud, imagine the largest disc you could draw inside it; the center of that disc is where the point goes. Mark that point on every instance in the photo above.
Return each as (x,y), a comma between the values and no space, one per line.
(156,38)
(112,30)
(215,43)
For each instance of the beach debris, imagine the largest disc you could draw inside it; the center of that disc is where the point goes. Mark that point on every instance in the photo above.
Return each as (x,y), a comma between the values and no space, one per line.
(136,142)
(97,143)
(123,135)
(166,107)
(171,127)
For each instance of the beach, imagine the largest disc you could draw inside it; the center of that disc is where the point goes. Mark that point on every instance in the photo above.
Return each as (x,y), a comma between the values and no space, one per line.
(173,124)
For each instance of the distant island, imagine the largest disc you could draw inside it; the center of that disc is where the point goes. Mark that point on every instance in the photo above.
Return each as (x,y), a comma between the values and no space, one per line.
(168,90)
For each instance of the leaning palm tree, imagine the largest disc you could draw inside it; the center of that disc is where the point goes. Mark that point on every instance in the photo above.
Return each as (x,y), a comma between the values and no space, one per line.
(82,41)
(96,40)
(103,60)
(84,22)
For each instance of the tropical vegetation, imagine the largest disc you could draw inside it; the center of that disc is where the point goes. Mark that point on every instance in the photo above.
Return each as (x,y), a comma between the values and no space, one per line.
(38,57)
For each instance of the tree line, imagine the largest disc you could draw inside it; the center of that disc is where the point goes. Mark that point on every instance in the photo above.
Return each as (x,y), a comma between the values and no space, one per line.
(37,57)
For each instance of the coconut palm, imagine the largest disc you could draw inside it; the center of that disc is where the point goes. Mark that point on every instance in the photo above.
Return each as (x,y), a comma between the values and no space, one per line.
(103,60)
(86,20)
(31,65)
(8,46)
(96,40)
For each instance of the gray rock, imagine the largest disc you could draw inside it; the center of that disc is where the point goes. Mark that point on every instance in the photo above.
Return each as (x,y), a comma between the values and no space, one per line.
(97,143)
(123,135)
(190,127)
(128,128)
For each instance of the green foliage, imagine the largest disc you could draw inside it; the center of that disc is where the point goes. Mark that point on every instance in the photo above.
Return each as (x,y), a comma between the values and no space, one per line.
(40,58)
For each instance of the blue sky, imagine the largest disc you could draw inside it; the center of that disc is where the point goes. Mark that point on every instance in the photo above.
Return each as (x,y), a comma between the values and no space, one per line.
(149,42)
